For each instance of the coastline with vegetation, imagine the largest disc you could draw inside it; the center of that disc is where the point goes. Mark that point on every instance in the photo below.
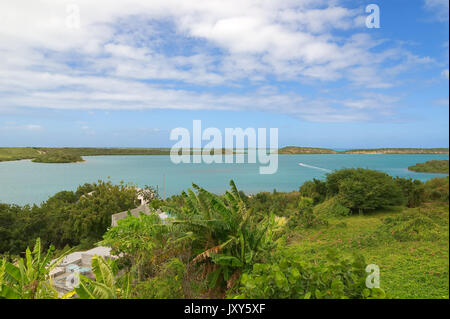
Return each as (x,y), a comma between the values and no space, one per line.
(434,166)
(315,150)
(74,155)
(71,155)
(267,245)
(305,150)
(399,151)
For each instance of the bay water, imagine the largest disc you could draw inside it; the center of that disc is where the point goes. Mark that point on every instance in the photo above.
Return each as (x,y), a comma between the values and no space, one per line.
(25,182)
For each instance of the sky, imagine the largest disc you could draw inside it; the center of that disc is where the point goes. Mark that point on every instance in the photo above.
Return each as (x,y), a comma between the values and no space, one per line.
(125,73)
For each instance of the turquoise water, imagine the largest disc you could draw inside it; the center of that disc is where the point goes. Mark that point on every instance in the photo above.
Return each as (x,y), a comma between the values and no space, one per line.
(24,182)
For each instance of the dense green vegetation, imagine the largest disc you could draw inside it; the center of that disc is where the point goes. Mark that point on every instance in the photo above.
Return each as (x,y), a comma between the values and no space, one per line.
(314,243)
(29,278)
(398,151)
(434,166)
(86,151)
(15,154)
(57,157)
(315,150)
(67,218)
(305,150)
(71,155)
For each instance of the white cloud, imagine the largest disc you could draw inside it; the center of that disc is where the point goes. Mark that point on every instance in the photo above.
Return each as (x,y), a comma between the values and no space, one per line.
(439,7)
(28,127)
(133,55)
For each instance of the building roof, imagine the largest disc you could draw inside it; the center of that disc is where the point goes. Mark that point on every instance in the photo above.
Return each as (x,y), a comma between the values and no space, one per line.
(99,251)
(144,209)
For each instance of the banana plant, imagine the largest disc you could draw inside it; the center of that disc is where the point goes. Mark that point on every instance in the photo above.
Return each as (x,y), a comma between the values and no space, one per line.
(105,285)
(29,278)
(224,231)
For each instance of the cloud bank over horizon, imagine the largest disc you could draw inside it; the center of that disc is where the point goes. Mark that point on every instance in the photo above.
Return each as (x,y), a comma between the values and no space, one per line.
(315,61)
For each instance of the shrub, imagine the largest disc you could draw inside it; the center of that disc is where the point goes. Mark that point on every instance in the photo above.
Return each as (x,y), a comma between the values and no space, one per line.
(411,228)
(413,191)
(265,203)
(315,189)
(305,216)
(414,225)
(166,285)
(331,208)
(363,189)
(437,189)
(286,277)
(434,166)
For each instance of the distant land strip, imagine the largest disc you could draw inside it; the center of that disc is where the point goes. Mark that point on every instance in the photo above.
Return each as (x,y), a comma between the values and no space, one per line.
(73,155)
(313,150)
(434,166)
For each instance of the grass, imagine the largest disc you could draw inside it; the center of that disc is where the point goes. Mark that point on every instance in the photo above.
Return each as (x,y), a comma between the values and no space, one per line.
(408,269)
(15,154)
(71,155)
(434,166)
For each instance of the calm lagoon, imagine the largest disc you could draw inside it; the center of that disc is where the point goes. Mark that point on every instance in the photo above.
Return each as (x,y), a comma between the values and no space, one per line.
(24,182)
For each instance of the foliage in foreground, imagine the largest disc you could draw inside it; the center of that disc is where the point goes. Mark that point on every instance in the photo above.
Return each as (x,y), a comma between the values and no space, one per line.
(285,276)
(232,245)
(106,285)
(29,278)
(226,238)
(67,218)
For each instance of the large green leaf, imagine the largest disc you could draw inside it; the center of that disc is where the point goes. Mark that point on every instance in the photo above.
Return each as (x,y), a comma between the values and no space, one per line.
(225,260)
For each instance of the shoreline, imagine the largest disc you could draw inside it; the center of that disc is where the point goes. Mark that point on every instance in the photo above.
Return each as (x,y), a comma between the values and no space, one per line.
(31,153)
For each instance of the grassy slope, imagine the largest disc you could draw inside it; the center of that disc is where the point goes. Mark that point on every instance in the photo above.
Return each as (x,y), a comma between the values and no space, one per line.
(412,269)
(434,166)
(14,154)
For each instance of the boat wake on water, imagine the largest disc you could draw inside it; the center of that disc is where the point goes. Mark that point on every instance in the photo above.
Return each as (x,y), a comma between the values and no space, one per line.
(314,167)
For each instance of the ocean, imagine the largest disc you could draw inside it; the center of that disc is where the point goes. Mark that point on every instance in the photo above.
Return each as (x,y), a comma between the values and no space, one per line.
(24,182)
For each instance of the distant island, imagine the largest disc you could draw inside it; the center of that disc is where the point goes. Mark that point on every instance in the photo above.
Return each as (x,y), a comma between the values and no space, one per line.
(57,157)
(399,151)
(74,155)
(305,150)
(70,155)
(314,150)
(434,166)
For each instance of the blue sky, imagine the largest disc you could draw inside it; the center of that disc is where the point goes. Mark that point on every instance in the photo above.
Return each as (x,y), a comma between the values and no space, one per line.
(124,74)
